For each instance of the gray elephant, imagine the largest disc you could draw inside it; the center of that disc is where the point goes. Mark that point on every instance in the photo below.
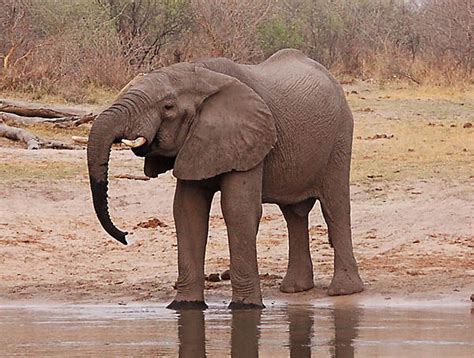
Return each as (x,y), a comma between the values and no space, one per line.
(277,132)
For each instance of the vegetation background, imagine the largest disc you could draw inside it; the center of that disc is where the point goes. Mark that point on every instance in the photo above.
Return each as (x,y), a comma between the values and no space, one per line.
(81,50)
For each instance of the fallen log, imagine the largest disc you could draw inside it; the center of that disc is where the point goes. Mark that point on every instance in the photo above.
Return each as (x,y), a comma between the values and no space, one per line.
(34,112)
(75,121)
(15,118)
(22,135)
(31,141)
(28,113)
(52,144)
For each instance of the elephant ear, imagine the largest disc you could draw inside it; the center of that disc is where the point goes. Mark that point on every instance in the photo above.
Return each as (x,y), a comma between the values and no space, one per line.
(156,164)
(233,130)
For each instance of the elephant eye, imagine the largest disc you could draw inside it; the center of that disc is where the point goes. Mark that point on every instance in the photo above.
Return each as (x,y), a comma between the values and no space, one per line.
(169,107)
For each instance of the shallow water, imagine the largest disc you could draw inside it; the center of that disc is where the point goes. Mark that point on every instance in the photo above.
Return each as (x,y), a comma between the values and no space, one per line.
(278,331)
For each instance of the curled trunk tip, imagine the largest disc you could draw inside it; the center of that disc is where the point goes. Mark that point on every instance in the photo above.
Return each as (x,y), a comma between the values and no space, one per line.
(105,131)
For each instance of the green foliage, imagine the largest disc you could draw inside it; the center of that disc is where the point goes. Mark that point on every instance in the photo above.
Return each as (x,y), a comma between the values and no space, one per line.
(279,33)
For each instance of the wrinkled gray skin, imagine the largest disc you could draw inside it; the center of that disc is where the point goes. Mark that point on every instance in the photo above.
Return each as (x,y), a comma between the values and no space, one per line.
(278,132)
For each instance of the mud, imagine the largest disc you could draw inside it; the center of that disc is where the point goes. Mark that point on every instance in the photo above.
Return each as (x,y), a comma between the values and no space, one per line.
(317,330)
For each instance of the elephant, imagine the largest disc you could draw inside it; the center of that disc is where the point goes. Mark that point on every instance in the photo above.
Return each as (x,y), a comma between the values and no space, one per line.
(277,132)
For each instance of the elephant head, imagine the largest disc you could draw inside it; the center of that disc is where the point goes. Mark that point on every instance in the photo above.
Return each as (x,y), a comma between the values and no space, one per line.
(187,117)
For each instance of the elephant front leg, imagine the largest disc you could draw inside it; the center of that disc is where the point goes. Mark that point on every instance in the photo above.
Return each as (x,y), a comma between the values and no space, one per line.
(191,214)
(241,203)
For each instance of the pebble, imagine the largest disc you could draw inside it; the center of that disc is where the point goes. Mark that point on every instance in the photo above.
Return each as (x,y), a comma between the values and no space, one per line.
(214,277)
(225,275)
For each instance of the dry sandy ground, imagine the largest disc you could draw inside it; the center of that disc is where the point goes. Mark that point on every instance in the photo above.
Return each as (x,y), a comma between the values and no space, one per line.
(412,210)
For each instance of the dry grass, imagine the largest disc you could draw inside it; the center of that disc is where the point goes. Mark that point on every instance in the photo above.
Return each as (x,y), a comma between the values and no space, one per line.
(428,141)
(43,170)
(47,131)
(91,95)
(417,150)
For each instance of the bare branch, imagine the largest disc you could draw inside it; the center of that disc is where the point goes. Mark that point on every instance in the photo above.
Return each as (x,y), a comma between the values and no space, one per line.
(131,176)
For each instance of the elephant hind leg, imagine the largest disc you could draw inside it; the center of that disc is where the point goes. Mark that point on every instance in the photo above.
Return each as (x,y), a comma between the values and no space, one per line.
(335,204)
(299,275)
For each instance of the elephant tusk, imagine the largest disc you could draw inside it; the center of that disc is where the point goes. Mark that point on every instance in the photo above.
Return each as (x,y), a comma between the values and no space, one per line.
(134,143)
(82,140)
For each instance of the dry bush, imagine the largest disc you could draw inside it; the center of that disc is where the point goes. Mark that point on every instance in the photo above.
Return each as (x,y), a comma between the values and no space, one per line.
(146,27)
(17,39)
(446,27)
(77,45)
(350,36)
(228,28)
(69,48)
(61,54)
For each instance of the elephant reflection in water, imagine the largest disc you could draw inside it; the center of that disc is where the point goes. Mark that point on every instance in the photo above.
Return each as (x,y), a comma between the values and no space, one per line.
(301,330)
(346,323)
(245,332)
(191,334)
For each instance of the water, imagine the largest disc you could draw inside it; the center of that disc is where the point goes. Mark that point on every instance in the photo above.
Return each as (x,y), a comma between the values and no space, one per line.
(278,331)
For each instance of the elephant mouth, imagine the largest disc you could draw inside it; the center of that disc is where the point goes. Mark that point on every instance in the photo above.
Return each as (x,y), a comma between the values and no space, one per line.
(142,151)
(147,148)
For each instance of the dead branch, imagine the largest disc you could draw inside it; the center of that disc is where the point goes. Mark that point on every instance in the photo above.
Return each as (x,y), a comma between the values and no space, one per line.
(76,111)
(21,120)
(132,177)
(410,77)
(10,52)
(60,120)
(14,118)
(85,141)
(35,112)
(22,135)
(85,119)
(80,140)
(56,145)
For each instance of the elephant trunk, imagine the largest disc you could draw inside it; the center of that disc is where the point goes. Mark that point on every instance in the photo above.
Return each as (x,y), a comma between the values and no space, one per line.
(108,128)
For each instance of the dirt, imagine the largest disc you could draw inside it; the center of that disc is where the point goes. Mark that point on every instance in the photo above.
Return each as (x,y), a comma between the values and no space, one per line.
(412,211)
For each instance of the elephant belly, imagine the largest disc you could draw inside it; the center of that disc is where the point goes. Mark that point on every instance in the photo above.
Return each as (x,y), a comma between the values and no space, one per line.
(306,133)
(310,111)
(291,176)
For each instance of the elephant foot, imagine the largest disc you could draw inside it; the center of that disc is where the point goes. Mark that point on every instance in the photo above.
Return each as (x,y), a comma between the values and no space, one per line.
(253,301)
(245,306)
(345,283)
(297,281)
(187,305)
